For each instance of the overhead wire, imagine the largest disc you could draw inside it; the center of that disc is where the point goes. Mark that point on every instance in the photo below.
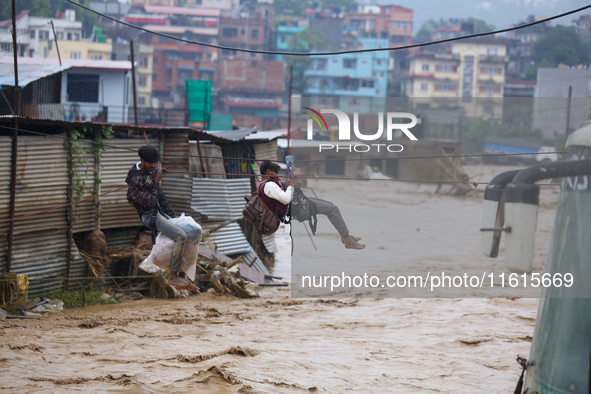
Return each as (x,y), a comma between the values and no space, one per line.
(302,161)
(338,52)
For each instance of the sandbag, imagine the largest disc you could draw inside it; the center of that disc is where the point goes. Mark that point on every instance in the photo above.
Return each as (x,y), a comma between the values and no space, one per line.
(161,253)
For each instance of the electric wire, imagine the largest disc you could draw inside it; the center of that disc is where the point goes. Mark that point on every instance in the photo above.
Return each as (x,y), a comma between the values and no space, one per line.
(339,52)
(302,161)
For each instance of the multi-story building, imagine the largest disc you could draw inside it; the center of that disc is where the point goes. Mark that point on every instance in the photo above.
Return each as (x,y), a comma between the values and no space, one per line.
(250,26)
(174,62)
(33,32)
(285,36)
(472,76)
(168,3)
(144,59)
(350,78)
(84,49)
(392,22)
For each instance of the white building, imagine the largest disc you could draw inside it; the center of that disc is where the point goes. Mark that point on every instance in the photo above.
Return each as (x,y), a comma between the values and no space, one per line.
(33,30)
(84,90)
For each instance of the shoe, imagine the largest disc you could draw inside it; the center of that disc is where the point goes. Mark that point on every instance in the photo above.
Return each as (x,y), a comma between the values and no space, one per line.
(351,242)
(182,284)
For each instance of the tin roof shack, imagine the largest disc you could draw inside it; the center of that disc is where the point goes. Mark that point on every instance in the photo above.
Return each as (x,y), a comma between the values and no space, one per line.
(77,90)
(349,159)
(43,245)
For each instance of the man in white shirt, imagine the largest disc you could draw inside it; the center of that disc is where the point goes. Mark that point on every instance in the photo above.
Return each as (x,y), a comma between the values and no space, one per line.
(277,198)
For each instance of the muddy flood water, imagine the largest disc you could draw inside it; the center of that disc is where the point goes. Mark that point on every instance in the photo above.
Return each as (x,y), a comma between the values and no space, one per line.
(282,343)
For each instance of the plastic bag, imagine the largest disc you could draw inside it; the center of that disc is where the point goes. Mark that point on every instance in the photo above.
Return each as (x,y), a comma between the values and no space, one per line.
(161,253)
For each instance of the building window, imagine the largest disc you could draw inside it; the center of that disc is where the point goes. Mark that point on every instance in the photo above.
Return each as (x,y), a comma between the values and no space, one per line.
(425,67)
(141,100)
(254,33)
(142,81)
(354,102)
(349,63)
(154,77)
(6,47)
(284,38)
(445,87)
(75,55)
(155,60)
(378,62)
(43,35)
(143,62)
(324,83)
(60,35)
(32,34)
(228,52)
(401,25)
(229,32)
(31,52)
(491,70)
(491,51)
(83,88)
(321,64)
(96,56)
(424,86)
(490,90)
(367,83)
(445,68)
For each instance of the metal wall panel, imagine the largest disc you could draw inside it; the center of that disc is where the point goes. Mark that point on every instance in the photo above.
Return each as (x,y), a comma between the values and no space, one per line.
(41,183)
(115,210)
(269,242)
(176,151)
(219,199)
(41,254)
(229,239)
(5,155)
(83,213)
(266,151)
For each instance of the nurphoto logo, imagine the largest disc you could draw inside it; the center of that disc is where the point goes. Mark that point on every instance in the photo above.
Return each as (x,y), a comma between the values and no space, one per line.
(392,119)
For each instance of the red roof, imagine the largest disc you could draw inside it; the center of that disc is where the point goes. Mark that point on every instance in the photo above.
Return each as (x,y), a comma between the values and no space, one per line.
(8,23)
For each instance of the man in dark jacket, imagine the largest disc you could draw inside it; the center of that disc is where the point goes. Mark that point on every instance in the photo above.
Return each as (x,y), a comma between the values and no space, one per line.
(147,198)
(277,197)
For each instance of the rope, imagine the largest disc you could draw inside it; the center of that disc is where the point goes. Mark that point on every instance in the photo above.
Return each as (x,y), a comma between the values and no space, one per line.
(62,206)
(84,278)
(339,52)
(304,161)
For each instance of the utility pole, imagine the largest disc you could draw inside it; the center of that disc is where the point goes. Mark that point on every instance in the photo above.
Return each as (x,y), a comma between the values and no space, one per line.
(566,132)
(289,112)
(13,160)
(56,46)
(133,82)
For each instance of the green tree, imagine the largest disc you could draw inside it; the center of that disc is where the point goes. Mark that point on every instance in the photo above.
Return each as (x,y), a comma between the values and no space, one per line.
(308,40)
(48,9)
(560,45)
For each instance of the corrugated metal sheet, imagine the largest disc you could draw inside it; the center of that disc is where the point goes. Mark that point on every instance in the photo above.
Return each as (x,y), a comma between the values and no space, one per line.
(176,151)
(252,260)
(234,135)
(219,199)
(229,239)
(83,213)
(41,254)
(28,73)
(266,151)
(115,210)
(42,182)
(269,242)
(177,189)
(5,154)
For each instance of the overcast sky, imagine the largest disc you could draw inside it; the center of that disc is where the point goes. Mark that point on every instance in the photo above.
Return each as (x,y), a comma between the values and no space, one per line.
(501,13)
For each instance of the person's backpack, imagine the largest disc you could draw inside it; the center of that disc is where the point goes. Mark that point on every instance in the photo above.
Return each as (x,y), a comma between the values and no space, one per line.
(302,208)
(265,221)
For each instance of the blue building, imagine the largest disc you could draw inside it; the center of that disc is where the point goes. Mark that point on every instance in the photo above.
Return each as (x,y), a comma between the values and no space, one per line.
(350,77)
(284,37)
